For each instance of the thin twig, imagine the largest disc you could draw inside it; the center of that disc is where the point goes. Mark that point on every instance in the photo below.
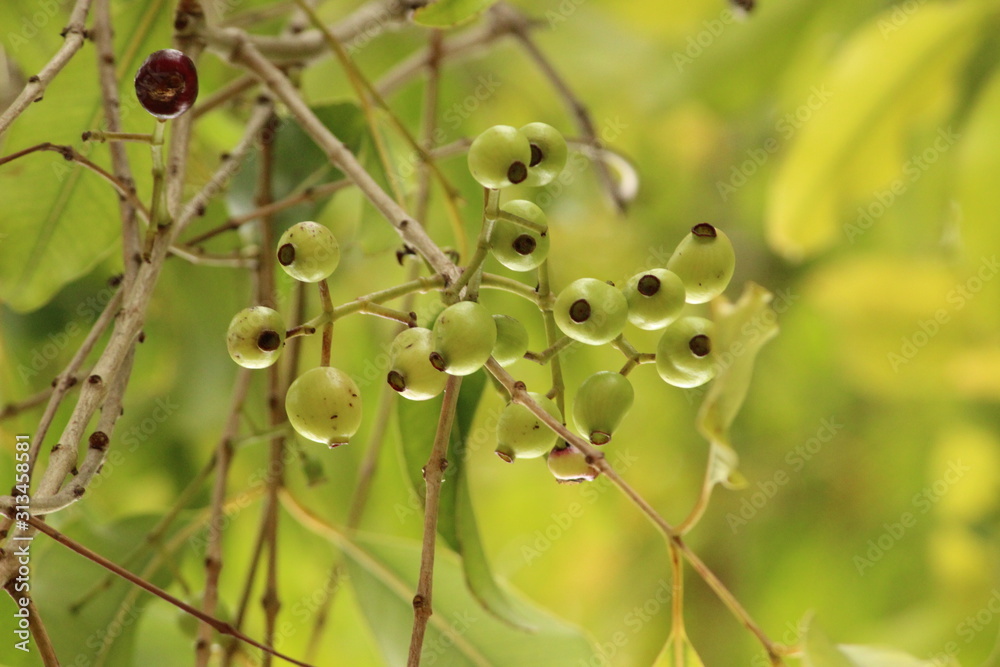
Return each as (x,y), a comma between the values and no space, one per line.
(75,35)
(220,626)
(433,476)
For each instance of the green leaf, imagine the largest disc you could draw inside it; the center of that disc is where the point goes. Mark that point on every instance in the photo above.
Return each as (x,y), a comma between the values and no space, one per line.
(448,13)
(819,651)
(384,573)
(70,221)
(298,163)
(668,656)
(853,144)
(741,330)
(104,619)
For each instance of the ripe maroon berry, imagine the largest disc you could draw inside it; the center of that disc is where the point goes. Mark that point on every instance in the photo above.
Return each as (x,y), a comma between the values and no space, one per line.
(166,84)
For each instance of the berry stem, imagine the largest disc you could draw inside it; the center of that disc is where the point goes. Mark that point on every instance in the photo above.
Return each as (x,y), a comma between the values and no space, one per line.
(634,356)
(677,632)
(157,207)
(545,355)
(523,222)
(433,476)
(324,295)
(552,335)
(103,137)
(503,283)
(472,274)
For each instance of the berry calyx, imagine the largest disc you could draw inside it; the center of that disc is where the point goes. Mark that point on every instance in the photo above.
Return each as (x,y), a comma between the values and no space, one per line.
(512,340)
(655,298)
(411,372)
(256,337)
(308,251)
(704,260)
(684,354)
(464,336)
(516,247)
(166,84)
(600,405)
(569,465)
(548,153)
(499,157)
(591,311)
(522,435)
(324,405)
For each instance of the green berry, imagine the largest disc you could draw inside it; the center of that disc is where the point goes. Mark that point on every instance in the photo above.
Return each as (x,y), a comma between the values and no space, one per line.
(411,372)
(499,157)
(522,435)
(655,298)
(516,247)
(591,311)
(309,252)
(464,336)
(324,405)
(548,153)
(512,340)
(684,355)
(569,465)
(256,337)
(600,404)
(704,260)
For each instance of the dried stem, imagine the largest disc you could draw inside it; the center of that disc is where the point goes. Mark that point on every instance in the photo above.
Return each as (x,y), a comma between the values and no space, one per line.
(433,476)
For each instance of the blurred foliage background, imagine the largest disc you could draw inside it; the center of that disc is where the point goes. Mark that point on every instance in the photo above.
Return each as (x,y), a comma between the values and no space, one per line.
(850,150)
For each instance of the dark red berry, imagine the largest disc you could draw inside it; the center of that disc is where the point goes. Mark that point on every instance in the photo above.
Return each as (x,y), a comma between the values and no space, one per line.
(167,84)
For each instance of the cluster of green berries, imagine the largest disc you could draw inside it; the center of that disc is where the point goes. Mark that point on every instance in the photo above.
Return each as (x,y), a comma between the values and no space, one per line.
(324,403)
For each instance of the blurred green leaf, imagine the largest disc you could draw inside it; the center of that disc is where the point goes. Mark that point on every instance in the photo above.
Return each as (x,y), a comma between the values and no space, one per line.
(384,574)
(741,330)
(298,163)
(447,13)
(819,651)
(70,221)
(853,139)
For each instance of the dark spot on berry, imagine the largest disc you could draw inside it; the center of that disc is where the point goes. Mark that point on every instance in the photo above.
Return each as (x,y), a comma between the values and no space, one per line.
(396,380)
(579,311)
(507,458)
(437,361)
(517,172)
(600,438)
(700,345)
(648,285)
(745,5)
(536,155)
(524,244)
(704,230)
(269,340)
(286,254)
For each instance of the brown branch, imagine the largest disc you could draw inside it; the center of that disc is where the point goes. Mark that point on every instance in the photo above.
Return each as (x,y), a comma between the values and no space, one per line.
(220,626)
(75,33)
(433,476)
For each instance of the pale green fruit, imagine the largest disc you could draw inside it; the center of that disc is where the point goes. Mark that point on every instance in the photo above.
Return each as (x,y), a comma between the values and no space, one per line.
(704,260)
(512,340)
(600,405)
(548,153)
(256,337)
(499,157)
(569,465)
(684,356)
(655,298)
(324,405)
(309,252)
(591,311)
(464,336)
(411,372)
(516,247)
(522,435)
